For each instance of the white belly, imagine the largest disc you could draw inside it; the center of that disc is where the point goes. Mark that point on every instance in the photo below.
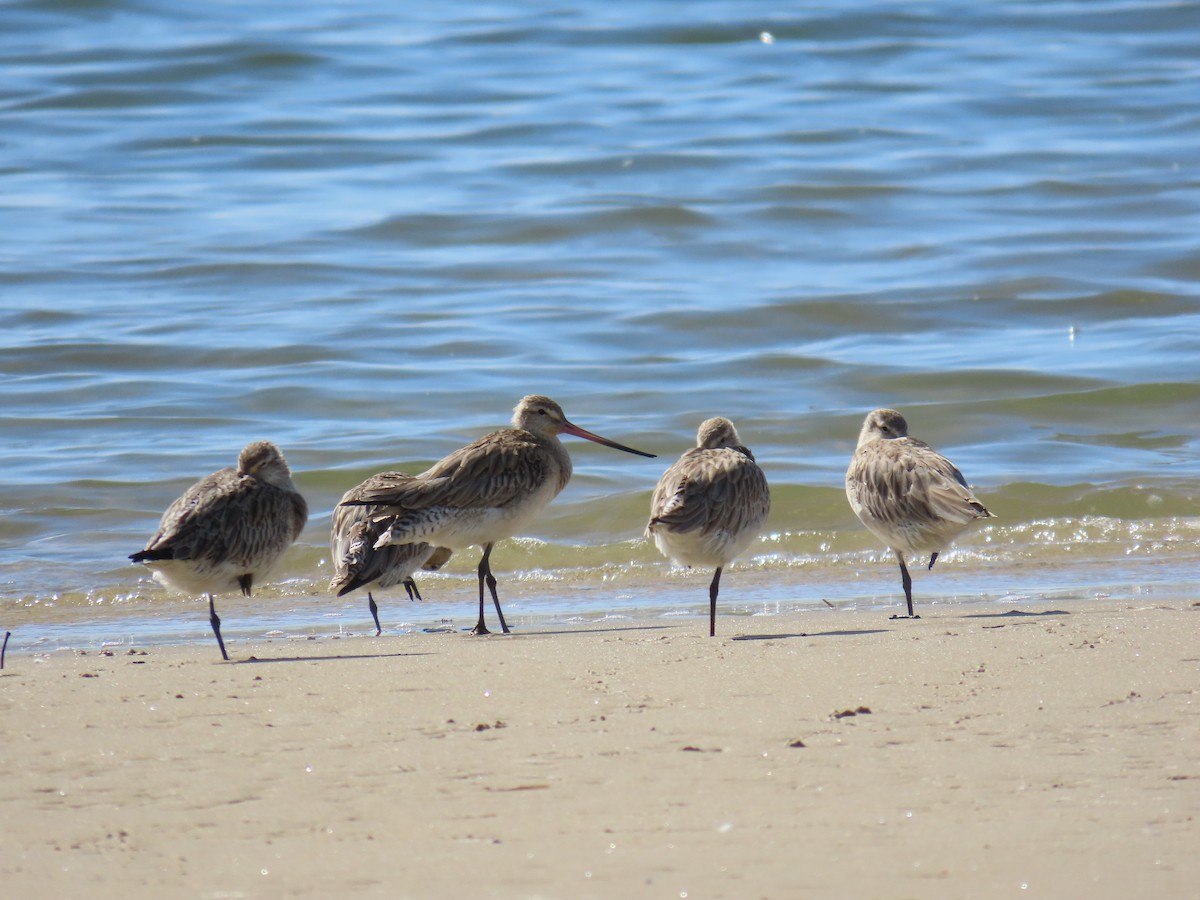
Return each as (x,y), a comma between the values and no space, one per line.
(714,550)
(188,577)
(915,537)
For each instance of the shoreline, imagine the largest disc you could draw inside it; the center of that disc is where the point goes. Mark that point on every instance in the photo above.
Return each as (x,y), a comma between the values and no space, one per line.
(970,753)
(303,610)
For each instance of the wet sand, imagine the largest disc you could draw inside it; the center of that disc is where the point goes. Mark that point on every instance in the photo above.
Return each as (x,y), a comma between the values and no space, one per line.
(1049,752)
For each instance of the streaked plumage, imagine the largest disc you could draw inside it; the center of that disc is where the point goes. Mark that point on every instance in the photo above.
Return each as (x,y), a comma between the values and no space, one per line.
(907,494)
(352,547)
(710,505)
(229,530)
(487,491)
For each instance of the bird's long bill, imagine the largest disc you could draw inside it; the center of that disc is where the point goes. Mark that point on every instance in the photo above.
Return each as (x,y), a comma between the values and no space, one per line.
(568,428)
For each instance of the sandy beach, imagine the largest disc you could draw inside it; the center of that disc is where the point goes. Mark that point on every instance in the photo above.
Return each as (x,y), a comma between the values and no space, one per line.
(976,752)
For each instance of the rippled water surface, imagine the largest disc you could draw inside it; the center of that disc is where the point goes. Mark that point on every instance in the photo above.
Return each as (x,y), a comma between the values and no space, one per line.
(365,231)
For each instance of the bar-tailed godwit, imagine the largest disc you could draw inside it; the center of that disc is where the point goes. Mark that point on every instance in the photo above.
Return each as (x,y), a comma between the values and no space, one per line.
(710,505)
(229,531)
(907,494)
(487,491)
(358,564)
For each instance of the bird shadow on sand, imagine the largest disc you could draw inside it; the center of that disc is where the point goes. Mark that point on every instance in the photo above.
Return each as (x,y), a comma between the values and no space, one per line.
(585,630)
(255,660)
(1017,614)
(809,634)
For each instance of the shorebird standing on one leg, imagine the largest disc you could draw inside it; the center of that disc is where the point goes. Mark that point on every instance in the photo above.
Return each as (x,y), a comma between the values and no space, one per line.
(352,547)
(229,530)
(907,494)
(484,492)
(710,505)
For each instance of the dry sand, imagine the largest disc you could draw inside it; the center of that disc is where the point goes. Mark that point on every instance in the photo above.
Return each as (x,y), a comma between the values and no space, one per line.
(1051,753)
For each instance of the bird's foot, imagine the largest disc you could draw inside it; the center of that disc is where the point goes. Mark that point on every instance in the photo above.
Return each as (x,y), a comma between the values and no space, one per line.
(903,617)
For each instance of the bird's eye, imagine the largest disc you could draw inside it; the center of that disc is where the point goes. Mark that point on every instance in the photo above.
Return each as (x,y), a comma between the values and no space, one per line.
(541,412)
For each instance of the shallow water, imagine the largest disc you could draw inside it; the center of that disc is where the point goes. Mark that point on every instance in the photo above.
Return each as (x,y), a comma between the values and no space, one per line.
(366,233)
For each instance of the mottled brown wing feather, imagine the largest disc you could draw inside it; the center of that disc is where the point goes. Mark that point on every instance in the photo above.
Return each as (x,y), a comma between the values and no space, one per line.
(916,482)
(494,471)
(226,517)
(354,533)
(710,490)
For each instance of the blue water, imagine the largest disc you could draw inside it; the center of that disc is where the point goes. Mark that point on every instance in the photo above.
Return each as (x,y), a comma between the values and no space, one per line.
(365,232)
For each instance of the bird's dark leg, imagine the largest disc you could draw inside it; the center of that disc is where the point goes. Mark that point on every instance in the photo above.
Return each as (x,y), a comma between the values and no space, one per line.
(486,577)
(411,587)
(932,559)
(215,621)
(4,649)
(371,605)
(906,579)
(712,603)
(484,571)
(491,583)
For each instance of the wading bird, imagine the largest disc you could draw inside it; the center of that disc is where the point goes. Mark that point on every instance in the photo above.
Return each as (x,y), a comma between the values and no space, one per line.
(710,505)
(907,494)
(487,491)
(358,564)
(229,531)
